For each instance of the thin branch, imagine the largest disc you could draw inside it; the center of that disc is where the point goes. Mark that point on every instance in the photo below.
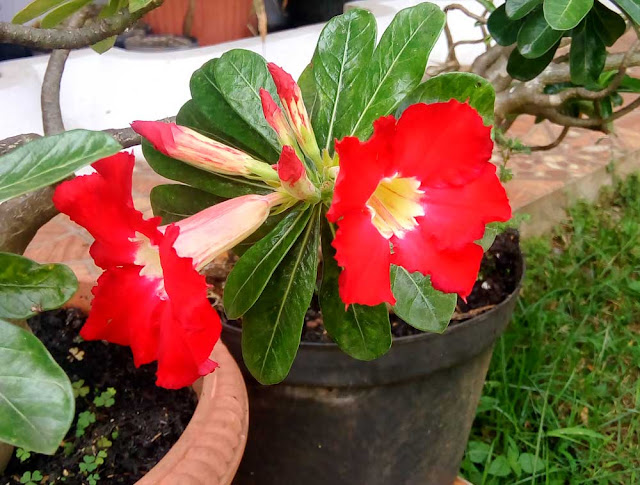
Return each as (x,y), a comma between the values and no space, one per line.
(554,143)
(456,6)
(72,38)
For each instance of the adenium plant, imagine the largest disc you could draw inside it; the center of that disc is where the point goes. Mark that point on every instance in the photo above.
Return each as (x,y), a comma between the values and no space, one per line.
(356,183)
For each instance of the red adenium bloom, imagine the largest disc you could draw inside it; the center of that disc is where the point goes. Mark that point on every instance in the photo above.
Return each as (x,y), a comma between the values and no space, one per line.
(151,296)
(417,194)
(293,176)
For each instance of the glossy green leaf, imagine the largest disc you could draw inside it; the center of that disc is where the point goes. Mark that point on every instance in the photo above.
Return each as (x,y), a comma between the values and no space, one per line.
(566,14)
(587,56)
(27,288)
(503,29)
(629,85)
(420,304)
(62,12)
(517,9)
(239,74)
(537,37)
(211,114)
(609,25)
(488,4)
(36,398)
(632,7)
(398,64)
(111,7)
(135,5)
(226,186)
(174,202)
(489,236)
(363,332)
(271,329)
(524,69)
(35,9)
(343,52)
(251,273)
(307,84)
(463,86)
(48,160)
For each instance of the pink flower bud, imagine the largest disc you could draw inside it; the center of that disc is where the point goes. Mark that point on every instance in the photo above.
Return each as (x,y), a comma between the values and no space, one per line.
(294,176)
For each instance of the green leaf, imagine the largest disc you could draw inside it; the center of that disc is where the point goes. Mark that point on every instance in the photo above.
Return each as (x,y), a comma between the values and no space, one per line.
(587,56)
(27,288)
(499,467)
(632,7)
(609,25)
(226,186)
(36,398)
(398,64)
(263,230)
(251,273)
(537,37)
(478,451)
(35,9)
(104,45)
(529,463)
(566,14)
(135,5)
(490,234)
(343,52)
(517,9)
(174,202)
(211,114)
(418,303)
(239,74)
(271,329)
(629,85)
(575,432)
(524,69)
(307,84)
(363,332)
(112,7)
(64,11)
(503,29)
(50,159)
(463,86)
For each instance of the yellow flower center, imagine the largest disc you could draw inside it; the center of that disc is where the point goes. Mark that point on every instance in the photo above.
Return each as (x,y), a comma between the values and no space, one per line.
(148,257)
(395,204)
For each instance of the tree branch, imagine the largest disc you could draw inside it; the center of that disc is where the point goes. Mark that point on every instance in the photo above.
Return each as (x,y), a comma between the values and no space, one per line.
(72,38)
(553,144)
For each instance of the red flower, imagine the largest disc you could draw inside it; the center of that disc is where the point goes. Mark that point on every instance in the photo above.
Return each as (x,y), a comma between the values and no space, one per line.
(417,194)
(151,296)
(293,176)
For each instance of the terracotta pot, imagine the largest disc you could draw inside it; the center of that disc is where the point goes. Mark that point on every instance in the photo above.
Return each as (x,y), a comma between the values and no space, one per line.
(211,447)
(214,21)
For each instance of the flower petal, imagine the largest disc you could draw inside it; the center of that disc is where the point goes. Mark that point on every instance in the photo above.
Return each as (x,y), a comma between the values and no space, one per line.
(190,327)
(364,256)
(362,166)
(124,312)
(102,203)
(451,270)
(457,215)
(441,143)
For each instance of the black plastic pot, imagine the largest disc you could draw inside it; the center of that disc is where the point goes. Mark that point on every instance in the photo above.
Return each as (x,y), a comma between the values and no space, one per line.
(403,419)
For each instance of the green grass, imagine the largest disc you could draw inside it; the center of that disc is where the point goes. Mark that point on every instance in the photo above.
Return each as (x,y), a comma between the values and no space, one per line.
(562,400)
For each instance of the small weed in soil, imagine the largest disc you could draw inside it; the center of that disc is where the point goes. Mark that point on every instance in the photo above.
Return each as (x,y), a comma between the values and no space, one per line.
(124,424)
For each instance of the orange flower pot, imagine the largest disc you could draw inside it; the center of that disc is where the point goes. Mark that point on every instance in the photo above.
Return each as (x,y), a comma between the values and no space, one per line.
(214,21)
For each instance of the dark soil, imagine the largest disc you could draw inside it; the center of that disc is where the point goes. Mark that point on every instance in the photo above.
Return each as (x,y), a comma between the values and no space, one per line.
(499,275)
(142,424)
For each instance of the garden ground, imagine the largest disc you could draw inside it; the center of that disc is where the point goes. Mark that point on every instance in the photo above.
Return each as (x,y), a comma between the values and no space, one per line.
(562,400)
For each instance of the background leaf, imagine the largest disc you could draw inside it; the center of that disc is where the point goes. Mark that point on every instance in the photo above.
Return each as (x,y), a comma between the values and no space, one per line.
(609,25)
(363,332)
(632,7)
(463,86)
(221,185)
(503,29)
(211,114)
(566,14)
(271,329)
(587,56)
(36,398)
(62,12)
(27,288)
(537,37)
(344,49)
(135,5)
(418,303)
(307,84)
(50,159)
(35,9)
(174,202)
(524,69)
(239,74)
(398,64)
(251,273)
